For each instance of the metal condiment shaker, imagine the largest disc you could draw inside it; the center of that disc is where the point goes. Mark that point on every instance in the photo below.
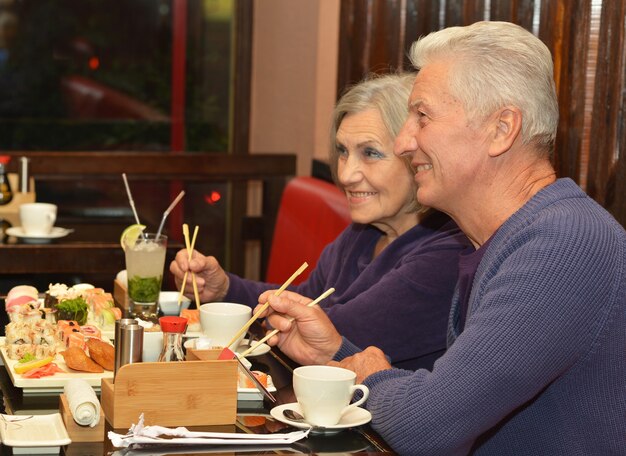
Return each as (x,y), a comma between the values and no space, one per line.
(128,342)
(24,177)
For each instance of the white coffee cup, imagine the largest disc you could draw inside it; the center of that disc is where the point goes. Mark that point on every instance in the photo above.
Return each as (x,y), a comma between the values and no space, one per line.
(37,219)
(324,393)
(152,346)
(222,320)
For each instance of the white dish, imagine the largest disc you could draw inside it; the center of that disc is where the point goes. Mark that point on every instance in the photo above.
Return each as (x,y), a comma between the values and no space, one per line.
(34,431)
(260,350)
(57,232)
(355,417)
(168,303)
(253,394)
(245,344)
(52,384)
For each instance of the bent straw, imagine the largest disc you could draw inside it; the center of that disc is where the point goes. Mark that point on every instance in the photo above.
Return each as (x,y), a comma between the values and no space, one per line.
(275,331)
(130,199)
(245,327)
(189,248)
(168,210)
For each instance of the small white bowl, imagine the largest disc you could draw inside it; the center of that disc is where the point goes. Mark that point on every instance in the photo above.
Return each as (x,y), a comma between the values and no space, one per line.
(168,303)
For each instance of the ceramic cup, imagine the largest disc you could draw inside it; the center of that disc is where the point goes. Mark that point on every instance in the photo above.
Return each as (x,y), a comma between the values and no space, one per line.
(37,219)
(222,320)
(324,393)
(152,346)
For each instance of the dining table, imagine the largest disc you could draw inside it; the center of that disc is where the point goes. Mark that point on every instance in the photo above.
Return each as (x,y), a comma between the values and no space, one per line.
(252,417)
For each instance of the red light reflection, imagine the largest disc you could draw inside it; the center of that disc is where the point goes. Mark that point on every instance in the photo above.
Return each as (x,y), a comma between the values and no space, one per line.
(213,197)
(94,63)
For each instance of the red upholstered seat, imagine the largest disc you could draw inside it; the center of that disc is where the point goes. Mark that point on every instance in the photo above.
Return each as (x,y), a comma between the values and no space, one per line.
(312,213)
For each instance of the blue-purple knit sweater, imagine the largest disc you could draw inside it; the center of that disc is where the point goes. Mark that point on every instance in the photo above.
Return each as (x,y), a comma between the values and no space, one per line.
(400,301)
(540,367)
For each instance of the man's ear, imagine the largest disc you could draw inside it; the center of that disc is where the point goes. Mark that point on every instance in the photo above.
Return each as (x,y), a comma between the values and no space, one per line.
(507,125)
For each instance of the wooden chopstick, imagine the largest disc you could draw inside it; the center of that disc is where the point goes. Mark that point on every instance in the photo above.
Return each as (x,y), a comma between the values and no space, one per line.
(245,327)
(190,248)
(275,331)
(193,275)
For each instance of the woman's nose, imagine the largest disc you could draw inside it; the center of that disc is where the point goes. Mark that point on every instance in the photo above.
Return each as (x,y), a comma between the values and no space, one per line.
(348,171)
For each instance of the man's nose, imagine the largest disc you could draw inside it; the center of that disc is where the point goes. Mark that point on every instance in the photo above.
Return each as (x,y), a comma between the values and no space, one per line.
(405,143)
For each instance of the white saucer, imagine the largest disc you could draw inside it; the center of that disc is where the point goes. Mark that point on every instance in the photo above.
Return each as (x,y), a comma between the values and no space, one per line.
(260,350)
(355,417)
(18,232)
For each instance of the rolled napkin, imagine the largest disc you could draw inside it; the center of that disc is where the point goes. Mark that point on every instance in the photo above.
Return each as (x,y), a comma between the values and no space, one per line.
(83,402)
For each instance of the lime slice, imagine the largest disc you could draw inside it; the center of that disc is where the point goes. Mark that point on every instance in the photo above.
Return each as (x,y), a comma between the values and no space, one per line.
(130,235)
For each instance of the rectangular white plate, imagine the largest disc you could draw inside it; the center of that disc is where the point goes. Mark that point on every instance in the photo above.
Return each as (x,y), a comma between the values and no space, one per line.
(55,383)
(52,384)
(34,431)
(253,394)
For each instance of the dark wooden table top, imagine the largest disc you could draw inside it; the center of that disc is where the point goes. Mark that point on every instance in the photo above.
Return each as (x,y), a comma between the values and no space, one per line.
(253,417)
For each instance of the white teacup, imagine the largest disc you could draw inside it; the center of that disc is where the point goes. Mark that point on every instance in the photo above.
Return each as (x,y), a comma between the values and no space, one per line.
(324,393)
(222,320)
(37,219)
(152,346)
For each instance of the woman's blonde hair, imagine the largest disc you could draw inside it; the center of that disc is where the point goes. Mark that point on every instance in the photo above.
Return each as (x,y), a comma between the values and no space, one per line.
(389,95)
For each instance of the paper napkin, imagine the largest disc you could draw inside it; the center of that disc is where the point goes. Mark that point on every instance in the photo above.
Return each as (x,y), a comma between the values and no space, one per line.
(139,435)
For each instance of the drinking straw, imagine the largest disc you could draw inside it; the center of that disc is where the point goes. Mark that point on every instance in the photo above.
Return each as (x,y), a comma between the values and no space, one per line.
(262,309)
(167,212)
(275,331)
(130,199)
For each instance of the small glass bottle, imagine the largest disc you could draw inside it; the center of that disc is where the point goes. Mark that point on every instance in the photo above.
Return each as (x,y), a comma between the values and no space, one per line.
(173,329)
(6,195)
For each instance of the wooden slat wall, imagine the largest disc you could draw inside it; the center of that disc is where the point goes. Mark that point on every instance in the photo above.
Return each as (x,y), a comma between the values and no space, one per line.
(586,37)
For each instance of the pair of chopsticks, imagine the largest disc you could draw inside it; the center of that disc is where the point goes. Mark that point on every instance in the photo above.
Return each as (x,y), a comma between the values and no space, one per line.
(245,327)
(275,331)
(189,247)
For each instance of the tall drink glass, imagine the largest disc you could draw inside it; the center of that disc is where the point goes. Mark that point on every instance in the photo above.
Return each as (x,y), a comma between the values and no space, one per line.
(145,261)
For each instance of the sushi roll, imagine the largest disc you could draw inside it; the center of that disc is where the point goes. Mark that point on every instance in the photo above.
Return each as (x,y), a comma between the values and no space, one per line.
(18,333)
(193,319)
(19,295)
(91,331)
(54,293)
(18,351)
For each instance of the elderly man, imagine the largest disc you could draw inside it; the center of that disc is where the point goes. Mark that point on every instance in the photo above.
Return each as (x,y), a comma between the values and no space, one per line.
(536,359)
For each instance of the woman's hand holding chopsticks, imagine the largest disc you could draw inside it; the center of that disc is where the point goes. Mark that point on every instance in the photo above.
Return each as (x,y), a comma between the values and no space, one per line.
(211,280)
(306,334)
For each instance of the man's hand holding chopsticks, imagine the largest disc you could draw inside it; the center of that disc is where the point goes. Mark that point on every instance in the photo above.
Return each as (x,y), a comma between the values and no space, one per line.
(310,338)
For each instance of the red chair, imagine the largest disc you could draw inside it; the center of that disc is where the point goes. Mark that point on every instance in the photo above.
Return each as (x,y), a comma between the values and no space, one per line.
(312,213)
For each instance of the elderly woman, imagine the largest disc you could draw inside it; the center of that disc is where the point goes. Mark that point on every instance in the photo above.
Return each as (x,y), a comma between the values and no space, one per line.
(395,267)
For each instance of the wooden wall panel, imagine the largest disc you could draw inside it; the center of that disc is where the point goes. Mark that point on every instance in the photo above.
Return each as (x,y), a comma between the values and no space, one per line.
(586,38)
(608,107)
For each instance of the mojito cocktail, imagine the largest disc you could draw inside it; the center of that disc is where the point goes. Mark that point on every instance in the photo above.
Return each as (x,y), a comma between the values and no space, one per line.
(145,261)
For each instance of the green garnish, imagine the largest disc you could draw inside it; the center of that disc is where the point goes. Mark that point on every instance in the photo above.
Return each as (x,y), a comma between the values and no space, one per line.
(27,357)
(73,309)
(144,289)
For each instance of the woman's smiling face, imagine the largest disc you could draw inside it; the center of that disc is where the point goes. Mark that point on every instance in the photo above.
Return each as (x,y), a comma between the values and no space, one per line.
(379,186)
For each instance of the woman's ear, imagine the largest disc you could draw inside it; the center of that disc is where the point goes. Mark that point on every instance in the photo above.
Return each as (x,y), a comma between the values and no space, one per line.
(507,127)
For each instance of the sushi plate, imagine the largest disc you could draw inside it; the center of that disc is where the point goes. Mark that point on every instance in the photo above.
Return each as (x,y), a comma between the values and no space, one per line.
(52,384)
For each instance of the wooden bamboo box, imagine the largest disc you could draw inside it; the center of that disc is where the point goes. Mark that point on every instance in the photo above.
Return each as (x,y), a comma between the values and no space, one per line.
(188,393)
(77,432)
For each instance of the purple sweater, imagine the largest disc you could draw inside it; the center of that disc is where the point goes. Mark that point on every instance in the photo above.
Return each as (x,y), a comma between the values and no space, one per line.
(399,301)
(540,367)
